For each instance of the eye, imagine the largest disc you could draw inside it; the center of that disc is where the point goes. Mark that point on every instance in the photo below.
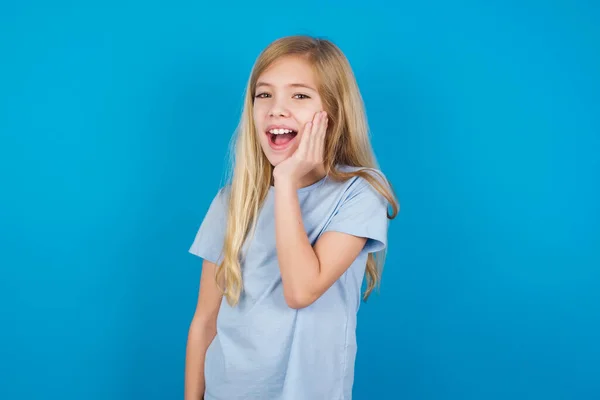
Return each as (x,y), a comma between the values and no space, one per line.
(262,95)
(303,96)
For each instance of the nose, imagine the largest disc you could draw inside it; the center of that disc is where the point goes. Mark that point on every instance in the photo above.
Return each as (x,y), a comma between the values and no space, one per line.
(279,109)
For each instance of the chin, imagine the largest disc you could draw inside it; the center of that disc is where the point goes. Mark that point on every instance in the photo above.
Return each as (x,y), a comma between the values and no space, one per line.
(276,159)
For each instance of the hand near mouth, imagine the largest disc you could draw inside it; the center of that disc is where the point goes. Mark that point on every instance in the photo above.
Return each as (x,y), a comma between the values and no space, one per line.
(309,154)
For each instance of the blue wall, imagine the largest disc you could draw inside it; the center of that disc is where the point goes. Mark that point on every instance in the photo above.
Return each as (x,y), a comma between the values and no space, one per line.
(485,116)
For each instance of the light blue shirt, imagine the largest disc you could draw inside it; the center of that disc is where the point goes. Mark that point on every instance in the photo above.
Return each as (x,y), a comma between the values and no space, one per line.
(265,350)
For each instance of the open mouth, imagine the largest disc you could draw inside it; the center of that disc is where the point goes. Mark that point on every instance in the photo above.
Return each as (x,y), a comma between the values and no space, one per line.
(280,138)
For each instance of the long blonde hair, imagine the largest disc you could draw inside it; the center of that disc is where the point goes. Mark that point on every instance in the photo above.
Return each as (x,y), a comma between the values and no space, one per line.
(347,143)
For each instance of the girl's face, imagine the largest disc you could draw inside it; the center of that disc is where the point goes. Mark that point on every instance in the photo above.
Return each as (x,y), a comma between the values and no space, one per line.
(285,99)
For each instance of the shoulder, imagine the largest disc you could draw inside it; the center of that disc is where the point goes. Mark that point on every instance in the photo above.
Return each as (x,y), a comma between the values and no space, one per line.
(359,183)
(361,209)
(220,201)
(222,195)
(373,171)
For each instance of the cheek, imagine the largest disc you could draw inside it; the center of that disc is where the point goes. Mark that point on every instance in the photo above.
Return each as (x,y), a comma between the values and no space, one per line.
(308,111)
(307,115)
(258,118)
(257,107)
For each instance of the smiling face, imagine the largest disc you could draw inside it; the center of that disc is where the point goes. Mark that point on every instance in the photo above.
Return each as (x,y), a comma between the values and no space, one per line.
(285,99)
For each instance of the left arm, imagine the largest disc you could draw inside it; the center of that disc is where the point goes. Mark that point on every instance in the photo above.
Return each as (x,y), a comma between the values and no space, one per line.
(307,273)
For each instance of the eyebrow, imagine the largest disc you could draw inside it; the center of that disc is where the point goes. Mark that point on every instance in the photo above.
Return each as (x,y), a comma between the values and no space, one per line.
(294,85)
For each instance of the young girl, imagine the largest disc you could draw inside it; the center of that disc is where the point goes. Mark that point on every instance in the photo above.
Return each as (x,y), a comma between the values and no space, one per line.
(287,243)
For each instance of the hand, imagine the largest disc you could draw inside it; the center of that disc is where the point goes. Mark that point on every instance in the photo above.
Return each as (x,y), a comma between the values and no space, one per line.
(309,153)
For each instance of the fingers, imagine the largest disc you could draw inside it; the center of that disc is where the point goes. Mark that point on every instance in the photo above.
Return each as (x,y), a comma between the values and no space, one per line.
(316,135)
(313,133)
(313,137)
(304,146)
(319,138)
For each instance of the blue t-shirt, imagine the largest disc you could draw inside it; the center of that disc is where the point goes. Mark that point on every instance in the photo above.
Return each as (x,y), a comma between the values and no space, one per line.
(265,350)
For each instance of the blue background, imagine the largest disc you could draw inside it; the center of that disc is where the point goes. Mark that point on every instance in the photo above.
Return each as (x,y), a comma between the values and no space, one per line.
(115,118)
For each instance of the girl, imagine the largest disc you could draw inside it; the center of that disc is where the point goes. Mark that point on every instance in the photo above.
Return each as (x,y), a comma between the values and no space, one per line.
(286,244)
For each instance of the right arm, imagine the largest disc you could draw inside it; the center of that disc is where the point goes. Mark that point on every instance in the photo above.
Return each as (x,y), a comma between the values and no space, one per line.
(202,331)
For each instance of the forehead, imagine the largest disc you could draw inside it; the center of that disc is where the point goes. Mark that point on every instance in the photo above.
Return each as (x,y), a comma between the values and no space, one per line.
(289,69)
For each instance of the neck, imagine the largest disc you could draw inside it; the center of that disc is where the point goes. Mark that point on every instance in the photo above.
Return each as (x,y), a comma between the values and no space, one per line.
(313,176)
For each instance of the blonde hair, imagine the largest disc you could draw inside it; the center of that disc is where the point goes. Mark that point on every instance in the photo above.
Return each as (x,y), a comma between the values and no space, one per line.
(347,143)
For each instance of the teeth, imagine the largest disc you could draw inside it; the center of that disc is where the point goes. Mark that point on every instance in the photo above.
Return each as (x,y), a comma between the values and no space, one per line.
(280,131)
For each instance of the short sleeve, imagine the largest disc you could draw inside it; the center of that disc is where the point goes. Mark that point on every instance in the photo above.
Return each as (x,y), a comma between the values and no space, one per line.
(363,213)
(208,243)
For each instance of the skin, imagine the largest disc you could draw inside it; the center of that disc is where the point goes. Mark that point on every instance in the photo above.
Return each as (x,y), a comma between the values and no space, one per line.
(202,331)
(306,271)
(287,94)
